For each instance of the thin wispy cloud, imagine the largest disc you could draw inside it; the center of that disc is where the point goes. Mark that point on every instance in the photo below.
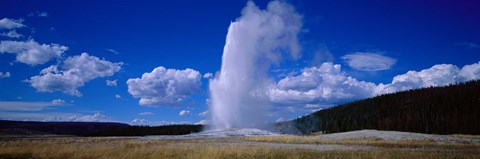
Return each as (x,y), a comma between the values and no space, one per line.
(468,45)
(203,114)
(4,75)
(146,113)
(38,14)
(113,51)
(27,106)
(367,61)
(12,34)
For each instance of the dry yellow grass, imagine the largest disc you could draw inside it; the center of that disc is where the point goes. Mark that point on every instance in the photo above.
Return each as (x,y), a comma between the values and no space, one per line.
(362,141)
(119,148)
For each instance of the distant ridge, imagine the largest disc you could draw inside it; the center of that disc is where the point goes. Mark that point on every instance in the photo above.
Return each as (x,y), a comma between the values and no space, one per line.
(61,128)
(453,109)
(8,127)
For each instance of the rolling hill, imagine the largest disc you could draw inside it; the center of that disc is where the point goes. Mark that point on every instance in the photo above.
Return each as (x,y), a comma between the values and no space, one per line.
(91,128)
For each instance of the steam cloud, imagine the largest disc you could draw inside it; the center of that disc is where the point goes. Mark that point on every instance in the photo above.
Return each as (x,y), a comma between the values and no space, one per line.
(255,41)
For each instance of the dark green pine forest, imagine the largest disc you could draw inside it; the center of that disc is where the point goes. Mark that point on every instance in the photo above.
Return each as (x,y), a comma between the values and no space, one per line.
(452,109)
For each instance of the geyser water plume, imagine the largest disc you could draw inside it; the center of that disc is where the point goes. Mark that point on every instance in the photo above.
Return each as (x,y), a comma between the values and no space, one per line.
(255,41)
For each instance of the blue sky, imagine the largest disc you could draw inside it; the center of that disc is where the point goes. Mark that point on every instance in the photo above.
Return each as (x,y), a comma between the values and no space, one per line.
(372,41)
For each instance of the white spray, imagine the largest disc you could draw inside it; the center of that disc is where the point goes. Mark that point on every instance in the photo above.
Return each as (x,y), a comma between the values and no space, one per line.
(255,41)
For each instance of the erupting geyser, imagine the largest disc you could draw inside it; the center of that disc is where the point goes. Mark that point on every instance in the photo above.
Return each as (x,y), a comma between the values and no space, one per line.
(256,40)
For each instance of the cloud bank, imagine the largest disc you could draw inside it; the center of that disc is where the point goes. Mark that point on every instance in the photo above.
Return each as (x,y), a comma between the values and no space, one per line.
(144,122)
(329,85)
(437,75)
(96,117)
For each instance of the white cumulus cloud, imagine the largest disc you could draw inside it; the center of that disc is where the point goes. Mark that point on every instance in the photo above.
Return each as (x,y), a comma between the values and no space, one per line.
(140,122)
(118,96)
(112,83)
(326,84)
(90,118)
(366,61)
(73,73)
(58,102)
(184,112)
(32,53)
(208,75)
(469,72)
(6,23)
(4,75)
(165,87)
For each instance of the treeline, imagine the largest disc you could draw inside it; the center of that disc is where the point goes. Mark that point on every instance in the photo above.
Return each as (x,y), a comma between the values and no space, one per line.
(95,128)
(453,109)
(149,130)
(60,128)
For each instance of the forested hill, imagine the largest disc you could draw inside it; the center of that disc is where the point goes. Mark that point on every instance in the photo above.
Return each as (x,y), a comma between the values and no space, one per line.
(92,128)
(453,109)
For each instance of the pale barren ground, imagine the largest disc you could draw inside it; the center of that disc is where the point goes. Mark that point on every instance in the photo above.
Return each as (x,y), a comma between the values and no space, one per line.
(357,144)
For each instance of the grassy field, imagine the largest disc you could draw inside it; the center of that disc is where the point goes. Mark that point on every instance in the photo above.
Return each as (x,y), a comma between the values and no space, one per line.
(377,142)
(97,147)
